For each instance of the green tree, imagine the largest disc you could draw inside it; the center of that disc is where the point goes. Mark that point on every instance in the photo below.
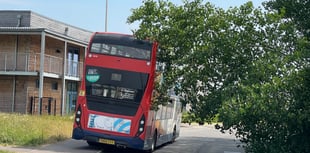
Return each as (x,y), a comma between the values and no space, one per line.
(296,10)
(182,35)
(242,63)
(297,88)
(261,104)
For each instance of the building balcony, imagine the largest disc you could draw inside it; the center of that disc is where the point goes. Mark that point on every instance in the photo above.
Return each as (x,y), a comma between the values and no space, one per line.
(29,64)
(18,64)
(74,70)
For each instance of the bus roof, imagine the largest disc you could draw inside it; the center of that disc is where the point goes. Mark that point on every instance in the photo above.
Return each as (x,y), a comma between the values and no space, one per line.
(121,39)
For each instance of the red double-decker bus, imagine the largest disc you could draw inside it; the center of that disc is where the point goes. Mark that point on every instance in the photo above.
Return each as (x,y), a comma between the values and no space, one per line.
(114,103)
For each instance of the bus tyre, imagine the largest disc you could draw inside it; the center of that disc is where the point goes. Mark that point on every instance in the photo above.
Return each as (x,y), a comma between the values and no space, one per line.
(174,134)
(153,145)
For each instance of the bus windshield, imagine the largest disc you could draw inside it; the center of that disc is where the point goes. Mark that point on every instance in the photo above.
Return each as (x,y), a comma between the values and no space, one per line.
(115,45)
(114,91)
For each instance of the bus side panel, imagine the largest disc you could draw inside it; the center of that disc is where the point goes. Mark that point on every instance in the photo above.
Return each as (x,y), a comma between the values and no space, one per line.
(149,130)
(178,117)
(165,122)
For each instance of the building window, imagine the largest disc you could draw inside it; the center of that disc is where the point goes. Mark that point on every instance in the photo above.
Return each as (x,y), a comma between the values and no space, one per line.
(55,86)
(73,62)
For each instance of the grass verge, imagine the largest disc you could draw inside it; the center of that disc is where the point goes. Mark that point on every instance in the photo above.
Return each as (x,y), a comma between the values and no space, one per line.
(28,130)
(4,151)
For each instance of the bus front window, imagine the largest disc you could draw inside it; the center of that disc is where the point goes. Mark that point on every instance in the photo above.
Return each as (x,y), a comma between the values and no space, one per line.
(120,50)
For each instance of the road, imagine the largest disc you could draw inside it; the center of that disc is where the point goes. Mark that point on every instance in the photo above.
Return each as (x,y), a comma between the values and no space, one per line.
(203,139)
(193,139)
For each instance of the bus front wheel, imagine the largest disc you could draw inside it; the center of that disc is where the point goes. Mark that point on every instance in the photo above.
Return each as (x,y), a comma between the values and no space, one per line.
(154,141)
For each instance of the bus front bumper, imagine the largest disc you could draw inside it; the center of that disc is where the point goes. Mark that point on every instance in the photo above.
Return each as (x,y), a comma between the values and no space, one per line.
(120,141)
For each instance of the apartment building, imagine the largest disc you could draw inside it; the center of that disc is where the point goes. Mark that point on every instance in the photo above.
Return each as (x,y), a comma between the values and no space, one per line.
(41,63)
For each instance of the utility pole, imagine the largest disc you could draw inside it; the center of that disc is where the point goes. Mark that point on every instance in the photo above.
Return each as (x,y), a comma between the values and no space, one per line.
(106,15)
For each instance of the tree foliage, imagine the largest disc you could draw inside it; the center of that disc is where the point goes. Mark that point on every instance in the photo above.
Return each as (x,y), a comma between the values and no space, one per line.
(296,10)
(247,65)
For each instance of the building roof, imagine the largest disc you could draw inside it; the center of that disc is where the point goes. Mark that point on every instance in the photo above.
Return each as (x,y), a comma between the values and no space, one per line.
(28,22)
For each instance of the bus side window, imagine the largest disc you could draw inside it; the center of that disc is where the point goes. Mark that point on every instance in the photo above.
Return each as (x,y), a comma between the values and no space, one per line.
(163,111)
(158,112)
(170,108)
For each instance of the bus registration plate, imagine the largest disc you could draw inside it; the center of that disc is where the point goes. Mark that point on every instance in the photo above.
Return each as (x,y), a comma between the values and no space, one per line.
(107,141)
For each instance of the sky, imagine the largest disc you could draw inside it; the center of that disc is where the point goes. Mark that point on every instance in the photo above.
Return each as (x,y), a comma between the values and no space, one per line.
(90,14)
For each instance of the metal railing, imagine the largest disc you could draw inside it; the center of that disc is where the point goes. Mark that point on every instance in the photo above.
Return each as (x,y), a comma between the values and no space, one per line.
(74,68)
(53,64)
(30,62)
(25,62)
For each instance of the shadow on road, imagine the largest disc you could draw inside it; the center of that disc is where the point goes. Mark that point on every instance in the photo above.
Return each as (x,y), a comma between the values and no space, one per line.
(203,145)
(113,149)
(193,139)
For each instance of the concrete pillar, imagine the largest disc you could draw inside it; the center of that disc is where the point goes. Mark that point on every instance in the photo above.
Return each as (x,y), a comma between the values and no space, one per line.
(41,77)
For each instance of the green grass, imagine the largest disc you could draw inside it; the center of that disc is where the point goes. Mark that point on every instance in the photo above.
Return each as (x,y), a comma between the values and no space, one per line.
(28,130)
(4,151)
(190,118)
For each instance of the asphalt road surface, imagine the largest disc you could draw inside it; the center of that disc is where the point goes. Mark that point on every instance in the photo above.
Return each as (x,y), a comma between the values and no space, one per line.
(193,139)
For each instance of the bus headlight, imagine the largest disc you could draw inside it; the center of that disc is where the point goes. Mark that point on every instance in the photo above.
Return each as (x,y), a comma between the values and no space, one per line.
(78,115)
(141,126)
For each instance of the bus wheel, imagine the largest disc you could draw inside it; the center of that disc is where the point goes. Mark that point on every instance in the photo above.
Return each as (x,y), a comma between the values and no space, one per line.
(174,134)
(153,146)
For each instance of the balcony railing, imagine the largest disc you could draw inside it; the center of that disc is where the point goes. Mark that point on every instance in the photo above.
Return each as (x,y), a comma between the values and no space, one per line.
(30,62)
(25,62)
(74,68)
(53,64)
